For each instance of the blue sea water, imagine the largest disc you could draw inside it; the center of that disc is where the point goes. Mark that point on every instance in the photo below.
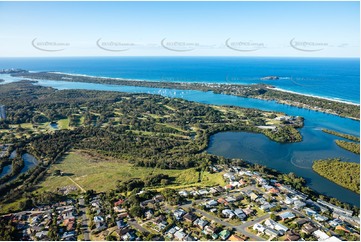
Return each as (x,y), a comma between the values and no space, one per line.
(326,77)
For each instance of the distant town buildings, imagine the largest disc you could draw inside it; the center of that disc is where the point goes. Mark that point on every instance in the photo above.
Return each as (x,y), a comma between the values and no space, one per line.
(2,112)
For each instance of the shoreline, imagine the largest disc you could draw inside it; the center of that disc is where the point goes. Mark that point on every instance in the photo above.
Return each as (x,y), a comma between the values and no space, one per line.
(257,91)
(315,96)
(208,84)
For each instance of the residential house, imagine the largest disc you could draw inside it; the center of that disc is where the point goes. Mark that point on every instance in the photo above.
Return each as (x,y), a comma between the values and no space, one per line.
(335,222)
(98,219)
(190,217)
(119,209)
(238,197)
(320,218)
(271,232)
(211,203)
(214,236)
(248,211)
(213,210)
(332,239)
(149,214)
(222,201)
(242,182)
(69,236)
(160,223)
(213,191)
(121,224)
(261,200)
(228,187)
(42,234)
(320,235)
(170,233)
(178,214)
(183,193)
(276,226)
(158,198)
(219,189)
(228,213)
(179,235)
(129,236)
(224,234)
(287,215)
(308,228)
(119,203)
(266,207)
(298,204)
(229,176)
(309,212)
(300,221)
(210,230)
(230,199)
(316,206)
(336,208)
(292,236)
(240,214)
(259,227)
(288,200)
(201,223)
(261,180)
(344,228)
(147,203)
(273,190)
(253,196)
(203,192)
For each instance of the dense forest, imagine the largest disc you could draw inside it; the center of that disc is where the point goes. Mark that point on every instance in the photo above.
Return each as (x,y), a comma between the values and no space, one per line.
(260,91)
(342,135)
(346,174)
(350,146)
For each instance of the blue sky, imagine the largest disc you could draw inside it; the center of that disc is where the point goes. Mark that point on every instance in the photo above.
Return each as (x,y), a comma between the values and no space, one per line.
(304,29)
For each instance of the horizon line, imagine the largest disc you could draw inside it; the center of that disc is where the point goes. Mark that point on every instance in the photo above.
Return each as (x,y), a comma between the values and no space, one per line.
(205,56)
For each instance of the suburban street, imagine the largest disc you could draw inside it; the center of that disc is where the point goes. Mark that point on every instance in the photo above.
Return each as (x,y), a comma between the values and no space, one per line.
(84,222)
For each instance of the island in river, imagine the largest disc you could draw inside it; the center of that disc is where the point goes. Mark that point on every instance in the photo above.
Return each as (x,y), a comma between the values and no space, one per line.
(259,91)
(346,174)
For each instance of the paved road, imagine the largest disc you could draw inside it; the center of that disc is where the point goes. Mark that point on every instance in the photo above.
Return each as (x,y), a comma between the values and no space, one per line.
(242,228)
(239,228)
(84,222)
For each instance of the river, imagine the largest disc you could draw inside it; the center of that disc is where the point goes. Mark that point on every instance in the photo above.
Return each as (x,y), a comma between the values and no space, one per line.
(29,162)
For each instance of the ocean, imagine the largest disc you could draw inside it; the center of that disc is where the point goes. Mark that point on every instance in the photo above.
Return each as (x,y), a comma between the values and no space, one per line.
(336,78)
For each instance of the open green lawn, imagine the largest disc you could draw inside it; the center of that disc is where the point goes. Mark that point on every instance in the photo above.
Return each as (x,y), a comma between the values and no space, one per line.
(63,123)
(92,171)
(26,126)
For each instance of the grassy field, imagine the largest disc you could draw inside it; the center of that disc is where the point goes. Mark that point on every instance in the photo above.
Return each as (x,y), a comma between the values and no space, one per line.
(91,171)
(63,123)
(13,206)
